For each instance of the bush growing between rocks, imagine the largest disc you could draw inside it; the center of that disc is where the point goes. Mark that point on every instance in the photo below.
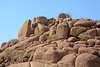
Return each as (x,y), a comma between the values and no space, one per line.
(52,37)
(38,33)
(12,55)
(14,41)
(84,36)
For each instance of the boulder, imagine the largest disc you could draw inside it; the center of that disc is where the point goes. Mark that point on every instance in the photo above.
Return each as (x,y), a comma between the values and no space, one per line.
(39,54)
(98,31)
(43,37)
(60,16)
(42,28)
(25,30)
(41,19)
(87,60)
(91,42)
(71,23)
(53,30)
(72,39)
(62,44)
(51,56)
(84,23)
(91,32)
(62,30)
(67,61)
(82,50)
(75,31)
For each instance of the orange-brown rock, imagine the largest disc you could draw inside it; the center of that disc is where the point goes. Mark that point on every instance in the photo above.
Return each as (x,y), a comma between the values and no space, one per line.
(41,19)
(25,30)
(67,61)
(85,23)
(62,30)
(75,31)
(87,60)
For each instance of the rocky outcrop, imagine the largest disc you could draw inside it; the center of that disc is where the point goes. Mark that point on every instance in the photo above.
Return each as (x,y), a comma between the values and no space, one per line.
(25,30)
(54,43)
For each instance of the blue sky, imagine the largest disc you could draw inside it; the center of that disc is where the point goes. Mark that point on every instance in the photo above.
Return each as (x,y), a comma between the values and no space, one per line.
(13,13)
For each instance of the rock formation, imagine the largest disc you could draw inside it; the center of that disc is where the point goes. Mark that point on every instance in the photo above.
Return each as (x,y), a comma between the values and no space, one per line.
(54,43)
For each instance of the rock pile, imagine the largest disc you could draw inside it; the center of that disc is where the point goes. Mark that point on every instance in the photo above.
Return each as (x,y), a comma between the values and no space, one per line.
(55,43)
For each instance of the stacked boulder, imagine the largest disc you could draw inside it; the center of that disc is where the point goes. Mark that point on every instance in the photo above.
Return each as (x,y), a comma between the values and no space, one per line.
(65,51)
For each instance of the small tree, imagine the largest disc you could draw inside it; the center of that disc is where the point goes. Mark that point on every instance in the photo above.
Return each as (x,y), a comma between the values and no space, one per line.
(84,36)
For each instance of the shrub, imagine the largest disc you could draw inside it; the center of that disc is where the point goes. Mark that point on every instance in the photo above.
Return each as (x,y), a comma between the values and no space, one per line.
(84,36)
(52,37)
(11,55)
(1,59)
(14,41)
(38,33)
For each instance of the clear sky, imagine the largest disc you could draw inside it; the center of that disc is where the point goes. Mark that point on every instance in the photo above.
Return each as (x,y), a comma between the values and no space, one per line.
(13,13)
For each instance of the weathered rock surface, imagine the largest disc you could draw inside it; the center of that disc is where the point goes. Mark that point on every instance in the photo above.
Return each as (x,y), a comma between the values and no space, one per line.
(64,49)
(41,19)
(67,61)
(25,30)
(87,60)
(75,31)
(62,30)
(85,23)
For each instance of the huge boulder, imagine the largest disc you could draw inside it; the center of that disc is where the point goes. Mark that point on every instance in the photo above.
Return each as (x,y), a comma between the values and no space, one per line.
(62,30)
(85,23)
(75,31)
(25,30)
(87,60)
(41,19)
(67,61)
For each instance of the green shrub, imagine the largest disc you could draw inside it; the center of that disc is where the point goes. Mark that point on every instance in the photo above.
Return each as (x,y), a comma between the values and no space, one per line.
(38,33)
(11,55)
(14,41)
(52,37)
(84,36)
(1,59)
